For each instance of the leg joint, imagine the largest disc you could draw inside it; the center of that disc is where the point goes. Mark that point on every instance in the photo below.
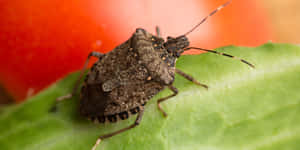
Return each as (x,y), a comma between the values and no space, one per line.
(136,123)
(174,89)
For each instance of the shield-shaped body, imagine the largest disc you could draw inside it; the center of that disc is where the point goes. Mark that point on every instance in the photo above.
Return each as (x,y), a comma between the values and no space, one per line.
(124,79)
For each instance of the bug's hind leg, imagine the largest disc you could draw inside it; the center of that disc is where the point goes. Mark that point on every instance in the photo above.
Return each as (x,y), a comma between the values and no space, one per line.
(188,77)
(137,122)
(175,92)
(70,95)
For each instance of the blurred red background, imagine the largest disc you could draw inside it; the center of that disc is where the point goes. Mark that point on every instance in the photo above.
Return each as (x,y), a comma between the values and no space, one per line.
(42,41)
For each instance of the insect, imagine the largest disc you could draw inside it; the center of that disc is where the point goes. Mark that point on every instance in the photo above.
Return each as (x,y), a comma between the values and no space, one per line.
(121,82)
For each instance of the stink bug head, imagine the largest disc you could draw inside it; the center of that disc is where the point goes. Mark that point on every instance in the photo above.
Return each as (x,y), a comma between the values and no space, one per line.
(176,46)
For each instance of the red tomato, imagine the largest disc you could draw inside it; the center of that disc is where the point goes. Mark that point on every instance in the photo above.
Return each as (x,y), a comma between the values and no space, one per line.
(42,41)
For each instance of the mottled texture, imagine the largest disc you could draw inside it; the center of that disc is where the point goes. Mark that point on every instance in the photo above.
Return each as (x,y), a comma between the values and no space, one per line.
(124,79)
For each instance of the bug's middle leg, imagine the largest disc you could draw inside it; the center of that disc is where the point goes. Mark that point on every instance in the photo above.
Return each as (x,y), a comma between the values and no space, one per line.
(137,122)
(175,92)
(188,77)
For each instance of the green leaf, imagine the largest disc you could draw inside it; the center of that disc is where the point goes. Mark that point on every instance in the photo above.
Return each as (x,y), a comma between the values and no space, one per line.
(244,109)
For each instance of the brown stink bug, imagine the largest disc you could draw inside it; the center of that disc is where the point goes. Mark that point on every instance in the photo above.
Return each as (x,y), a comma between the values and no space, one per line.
(121,82)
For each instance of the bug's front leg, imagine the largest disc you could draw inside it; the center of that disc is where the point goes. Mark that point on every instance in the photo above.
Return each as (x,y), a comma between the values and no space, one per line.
(137,122)
(70,95)
(175,92)
(188,77)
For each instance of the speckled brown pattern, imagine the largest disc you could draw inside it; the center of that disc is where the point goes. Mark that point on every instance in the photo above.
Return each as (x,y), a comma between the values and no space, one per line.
(126,78)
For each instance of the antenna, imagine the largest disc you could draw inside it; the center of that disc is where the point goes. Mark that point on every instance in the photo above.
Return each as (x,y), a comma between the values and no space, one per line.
(204,19)
(220,53)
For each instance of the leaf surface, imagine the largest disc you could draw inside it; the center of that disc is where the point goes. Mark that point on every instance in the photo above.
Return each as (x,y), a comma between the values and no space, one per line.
(244,109)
